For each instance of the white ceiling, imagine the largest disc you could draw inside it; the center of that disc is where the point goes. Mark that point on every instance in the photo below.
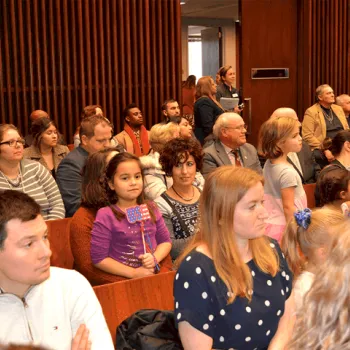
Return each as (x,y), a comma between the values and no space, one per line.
(210,9)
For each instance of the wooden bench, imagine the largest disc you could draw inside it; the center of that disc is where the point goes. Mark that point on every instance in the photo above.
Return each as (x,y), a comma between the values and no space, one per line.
(60,243)
(310,195)
(120,300)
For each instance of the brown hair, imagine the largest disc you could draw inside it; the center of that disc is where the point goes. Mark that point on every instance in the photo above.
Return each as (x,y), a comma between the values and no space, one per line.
(39,126)
(317,235)
(93,194)
(338,141)
(325,323)
(89,111)
(177,151)
(331,182)
(15,205)
(216,230)
(203,89)
(87,125)
(6,127)
(190,82)
(275,131)
(112,196)
(222,73)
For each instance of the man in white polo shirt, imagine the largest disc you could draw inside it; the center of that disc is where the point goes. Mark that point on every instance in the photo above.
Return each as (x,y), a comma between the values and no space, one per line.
(42,305)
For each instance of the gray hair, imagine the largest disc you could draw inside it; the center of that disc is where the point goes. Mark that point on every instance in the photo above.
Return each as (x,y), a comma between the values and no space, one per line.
(340,99)
(221,122)
(319,90)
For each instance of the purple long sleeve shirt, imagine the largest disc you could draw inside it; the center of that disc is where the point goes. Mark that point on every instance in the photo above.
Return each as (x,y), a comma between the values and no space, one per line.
(121,240)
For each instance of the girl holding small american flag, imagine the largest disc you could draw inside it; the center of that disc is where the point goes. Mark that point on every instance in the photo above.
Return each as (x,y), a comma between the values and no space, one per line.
(129,237)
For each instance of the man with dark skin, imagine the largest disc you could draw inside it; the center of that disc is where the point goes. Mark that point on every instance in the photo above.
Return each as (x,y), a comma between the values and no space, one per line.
(134,137)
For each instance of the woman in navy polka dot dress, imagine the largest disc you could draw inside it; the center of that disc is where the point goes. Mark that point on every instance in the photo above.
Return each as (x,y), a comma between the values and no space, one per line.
(232,289)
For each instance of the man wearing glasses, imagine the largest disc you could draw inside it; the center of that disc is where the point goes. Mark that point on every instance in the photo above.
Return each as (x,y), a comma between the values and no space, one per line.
(95,134)
(134,137)
(230,146)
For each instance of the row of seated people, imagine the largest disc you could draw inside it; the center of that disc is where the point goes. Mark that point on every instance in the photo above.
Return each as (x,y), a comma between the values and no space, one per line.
(283,183)
(233,287)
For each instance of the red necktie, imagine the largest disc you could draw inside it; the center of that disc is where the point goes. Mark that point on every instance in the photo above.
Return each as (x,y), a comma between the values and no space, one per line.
(237,159)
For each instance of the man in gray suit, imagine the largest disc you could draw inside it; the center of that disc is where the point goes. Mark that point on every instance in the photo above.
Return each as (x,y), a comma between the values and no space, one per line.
(230,146)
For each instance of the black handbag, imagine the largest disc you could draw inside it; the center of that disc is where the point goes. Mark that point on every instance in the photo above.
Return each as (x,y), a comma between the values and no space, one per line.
(149,329)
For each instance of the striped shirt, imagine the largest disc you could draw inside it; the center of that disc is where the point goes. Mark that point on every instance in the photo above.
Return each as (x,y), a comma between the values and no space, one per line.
(41,186)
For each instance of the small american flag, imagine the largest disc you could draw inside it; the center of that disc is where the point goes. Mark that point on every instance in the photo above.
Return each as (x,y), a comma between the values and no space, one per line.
(137,213)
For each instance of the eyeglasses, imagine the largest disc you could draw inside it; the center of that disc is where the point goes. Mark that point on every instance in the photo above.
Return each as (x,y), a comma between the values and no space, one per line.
(240,127)
(13,143)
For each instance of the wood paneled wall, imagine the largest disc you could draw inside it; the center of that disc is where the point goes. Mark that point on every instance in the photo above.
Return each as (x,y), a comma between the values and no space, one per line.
(61,55)
(324,48)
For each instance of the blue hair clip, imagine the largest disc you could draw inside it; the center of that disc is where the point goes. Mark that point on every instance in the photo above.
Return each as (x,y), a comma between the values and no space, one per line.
(303,218)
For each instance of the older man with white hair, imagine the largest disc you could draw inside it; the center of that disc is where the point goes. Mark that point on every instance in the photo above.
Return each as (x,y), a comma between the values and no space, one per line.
(230,146)
(304,161)
(344,102)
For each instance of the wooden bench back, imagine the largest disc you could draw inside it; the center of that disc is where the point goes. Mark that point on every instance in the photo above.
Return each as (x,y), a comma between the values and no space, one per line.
(120,300)
(60,243)
(310,195)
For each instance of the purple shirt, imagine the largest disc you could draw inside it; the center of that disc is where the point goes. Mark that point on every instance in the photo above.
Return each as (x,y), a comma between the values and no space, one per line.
(121,240)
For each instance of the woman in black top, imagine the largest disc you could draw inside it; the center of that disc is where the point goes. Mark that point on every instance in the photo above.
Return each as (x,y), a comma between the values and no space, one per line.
(233,286)
(206,108)
(225,87)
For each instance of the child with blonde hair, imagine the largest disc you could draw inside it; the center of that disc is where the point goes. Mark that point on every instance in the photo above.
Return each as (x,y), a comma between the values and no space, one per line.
(284,192)
(306,245)
(325,321)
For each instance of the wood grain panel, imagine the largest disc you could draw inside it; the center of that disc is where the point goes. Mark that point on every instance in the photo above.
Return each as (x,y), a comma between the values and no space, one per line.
(62,55)
(274,47)
(324,48)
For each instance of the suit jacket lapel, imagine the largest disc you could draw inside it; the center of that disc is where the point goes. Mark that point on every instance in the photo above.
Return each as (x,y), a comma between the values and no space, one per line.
(222,153)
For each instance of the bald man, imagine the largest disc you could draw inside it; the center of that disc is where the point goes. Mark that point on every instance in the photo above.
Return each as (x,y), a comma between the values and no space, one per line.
(230,146)
(304,161)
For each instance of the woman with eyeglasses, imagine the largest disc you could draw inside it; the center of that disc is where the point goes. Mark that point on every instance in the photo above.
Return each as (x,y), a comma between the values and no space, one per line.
(26,175)
(45,149)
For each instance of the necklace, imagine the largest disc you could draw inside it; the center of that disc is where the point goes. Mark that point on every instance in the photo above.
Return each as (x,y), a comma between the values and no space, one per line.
(16,182)
(185,199)
(329,116)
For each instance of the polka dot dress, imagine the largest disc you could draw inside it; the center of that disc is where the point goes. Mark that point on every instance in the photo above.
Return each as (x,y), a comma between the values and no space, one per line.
(201,299)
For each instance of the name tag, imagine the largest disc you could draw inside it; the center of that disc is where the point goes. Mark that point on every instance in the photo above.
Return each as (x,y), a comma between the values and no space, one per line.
(234,95)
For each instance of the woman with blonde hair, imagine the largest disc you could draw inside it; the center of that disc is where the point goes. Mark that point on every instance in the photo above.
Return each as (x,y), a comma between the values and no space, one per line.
(233,285)
(325,322)
(155,180)
(284,192)
(206,108)
(309,233)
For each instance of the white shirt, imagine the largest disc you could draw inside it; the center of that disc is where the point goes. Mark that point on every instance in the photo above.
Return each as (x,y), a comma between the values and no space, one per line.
(51,313)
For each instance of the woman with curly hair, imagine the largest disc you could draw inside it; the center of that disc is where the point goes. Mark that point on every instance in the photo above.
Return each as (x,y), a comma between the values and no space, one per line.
(180,159)
(325,321)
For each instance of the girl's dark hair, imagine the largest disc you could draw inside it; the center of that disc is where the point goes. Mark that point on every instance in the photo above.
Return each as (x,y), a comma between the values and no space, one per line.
(39,126)
(93,191)
(111,195)
(331,182)
(337,143)
(174,150)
